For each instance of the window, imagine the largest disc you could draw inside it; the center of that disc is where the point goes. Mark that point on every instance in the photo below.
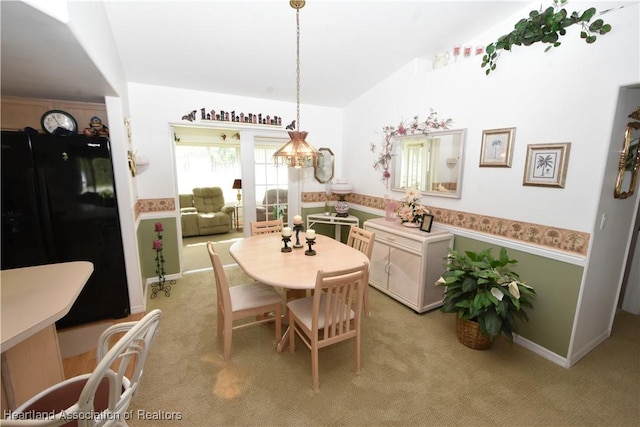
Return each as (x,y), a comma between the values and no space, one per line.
(270,177)
(208,165)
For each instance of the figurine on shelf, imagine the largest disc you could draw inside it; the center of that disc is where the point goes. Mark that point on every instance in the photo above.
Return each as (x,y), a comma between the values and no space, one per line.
(96,128)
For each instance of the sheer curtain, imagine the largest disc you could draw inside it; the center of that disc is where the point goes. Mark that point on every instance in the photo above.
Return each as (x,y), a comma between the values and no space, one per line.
(208,165)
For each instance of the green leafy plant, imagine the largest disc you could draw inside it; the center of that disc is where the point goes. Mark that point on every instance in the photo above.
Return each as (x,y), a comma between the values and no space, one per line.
(545,26)
(484,289)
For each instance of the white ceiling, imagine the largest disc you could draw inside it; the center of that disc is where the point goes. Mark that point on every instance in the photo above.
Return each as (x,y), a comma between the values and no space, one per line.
(241,47)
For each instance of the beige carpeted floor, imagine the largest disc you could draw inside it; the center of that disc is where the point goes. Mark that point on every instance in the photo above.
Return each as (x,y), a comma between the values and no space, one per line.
(194,250)
(414,373)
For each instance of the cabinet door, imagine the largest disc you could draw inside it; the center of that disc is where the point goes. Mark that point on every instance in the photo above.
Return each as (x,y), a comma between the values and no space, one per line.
(379,265)
(404,275)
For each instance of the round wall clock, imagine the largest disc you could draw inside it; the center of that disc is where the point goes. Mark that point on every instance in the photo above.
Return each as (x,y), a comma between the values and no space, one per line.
(54,119)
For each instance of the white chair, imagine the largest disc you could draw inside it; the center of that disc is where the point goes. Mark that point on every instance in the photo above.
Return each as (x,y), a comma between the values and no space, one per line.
(244,301)
(330,316)
(362,240)
(264,227)
(102,397)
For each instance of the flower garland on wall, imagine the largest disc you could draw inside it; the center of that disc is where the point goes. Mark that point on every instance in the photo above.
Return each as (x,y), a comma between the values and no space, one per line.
(383,161)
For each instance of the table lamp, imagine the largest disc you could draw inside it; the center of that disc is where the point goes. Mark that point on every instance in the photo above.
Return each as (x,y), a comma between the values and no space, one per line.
(237,185)
(341,187)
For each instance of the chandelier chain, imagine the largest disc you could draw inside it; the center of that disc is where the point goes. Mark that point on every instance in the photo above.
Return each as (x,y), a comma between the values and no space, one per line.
(298,67)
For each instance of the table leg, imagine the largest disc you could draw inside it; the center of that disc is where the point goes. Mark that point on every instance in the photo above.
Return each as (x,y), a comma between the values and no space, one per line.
(291,294)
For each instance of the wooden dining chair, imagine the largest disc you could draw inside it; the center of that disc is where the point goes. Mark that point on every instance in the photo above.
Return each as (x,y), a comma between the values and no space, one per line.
(252,300)
(331,315)
(265,227)
(362,240)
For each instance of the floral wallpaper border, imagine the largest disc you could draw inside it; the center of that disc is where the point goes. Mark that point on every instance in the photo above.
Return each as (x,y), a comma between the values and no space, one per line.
(572,241)
(154,205)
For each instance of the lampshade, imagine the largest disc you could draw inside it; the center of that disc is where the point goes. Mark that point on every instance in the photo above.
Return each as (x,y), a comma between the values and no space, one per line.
(341,187)
(297,153)
(237,185)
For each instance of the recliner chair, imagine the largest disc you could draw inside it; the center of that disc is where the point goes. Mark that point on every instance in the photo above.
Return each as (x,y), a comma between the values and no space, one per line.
(208,215)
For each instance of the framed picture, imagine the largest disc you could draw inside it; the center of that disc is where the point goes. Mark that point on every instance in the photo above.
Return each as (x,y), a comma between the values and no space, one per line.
(427,222)
(496,150)
(547,164)
(324,171)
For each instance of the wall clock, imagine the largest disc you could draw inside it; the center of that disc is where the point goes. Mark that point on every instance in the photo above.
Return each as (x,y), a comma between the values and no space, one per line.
(54,119)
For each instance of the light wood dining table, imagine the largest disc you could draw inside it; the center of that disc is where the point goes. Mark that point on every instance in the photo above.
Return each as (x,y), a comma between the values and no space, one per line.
(261,259)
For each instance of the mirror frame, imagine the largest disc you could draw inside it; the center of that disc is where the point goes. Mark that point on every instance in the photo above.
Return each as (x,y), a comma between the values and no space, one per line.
(324,172)
(625,158)
(397,148)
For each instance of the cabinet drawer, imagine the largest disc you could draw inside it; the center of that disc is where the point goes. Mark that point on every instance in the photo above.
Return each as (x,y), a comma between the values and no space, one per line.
(396,240)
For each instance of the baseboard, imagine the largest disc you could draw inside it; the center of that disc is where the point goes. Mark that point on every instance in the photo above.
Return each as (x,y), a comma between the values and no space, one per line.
(541,351)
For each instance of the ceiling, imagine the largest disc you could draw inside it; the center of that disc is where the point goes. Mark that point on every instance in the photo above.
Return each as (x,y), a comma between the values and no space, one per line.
(245,48)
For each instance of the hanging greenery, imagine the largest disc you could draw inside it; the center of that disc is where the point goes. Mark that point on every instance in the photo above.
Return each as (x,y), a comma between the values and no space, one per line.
(545,27)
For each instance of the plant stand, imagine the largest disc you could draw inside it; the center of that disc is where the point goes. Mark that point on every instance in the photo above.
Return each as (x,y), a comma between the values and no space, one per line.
(470,334)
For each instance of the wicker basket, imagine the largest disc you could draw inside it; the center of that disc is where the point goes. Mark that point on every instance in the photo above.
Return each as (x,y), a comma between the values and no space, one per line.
(469,334)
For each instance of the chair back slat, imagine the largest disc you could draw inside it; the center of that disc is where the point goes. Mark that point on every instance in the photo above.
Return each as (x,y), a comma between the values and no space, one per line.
(361,239)
(222,284)
(265,227)
(338,300)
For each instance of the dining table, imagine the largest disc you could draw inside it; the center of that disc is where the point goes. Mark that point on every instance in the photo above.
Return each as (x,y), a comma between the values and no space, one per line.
(262,259)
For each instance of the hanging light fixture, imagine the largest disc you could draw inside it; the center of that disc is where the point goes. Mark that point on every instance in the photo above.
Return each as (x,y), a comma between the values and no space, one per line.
(297,153)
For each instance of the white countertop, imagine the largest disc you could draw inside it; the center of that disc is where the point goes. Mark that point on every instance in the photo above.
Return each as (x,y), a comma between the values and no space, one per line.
(33,298)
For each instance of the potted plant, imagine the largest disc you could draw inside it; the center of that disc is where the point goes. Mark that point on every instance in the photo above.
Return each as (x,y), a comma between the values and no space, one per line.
(488,297)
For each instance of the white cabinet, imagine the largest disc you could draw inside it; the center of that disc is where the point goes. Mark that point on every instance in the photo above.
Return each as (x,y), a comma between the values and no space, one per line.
(406,263)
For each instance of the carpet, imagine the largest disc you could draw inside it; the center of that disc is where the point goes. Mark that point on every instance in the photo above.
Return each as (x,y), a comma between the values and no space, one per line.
(414,373)
(194,250)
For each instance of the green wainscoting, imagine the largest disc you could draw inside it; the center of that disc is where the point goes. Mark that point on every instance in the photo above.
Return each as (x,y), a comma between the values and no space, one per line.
(557,285)
(146,235)
(328,229)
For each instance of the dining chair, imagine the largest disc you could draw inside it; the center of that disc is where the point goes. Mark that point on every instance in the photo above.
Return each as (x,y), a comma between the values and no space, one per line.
(362,240)
(331,315)
(103,396)
(264,227)
(252,300)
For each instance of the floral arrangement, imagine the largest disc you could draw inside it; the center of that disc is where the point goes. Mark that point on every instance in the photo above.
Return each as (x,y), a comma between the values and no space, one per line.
(409,209)
(383,162)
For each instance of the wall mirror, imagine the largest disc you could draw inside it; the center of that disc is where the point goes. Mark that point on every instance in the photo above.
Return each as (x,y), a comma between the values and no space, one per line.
(430,162)
(629,163)
(325,169)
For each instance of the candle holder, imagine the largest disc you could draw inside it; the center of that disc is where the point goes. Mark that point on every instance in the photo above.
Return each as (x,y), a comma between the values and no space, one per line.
(286,240)
(160,285)
(310,251)
(298,228)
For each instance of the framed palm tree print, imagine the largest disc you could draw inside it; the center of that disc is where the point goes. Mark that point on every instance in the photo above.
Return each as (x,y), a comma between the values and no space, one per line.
(496,150)
(547,164)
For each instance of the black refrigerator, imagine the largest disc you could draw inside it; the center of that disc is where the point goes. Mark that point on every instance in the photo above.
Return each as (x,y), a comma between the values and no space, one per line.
(59,205)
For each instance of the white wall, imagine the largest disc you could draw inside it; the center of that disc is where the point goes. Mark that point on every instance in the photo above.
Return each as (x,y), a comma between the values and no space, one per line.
(566,95)
(569,94)
(155,107)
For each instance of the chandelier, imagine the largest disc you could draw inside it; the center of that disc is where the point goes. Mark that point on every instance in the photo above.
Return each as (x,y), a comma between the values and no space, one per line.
(297,153)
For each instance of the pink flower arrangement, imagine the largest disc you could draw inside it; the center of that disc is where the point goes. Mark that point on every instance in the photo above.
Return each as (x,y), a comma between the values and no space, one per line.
(410,210)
